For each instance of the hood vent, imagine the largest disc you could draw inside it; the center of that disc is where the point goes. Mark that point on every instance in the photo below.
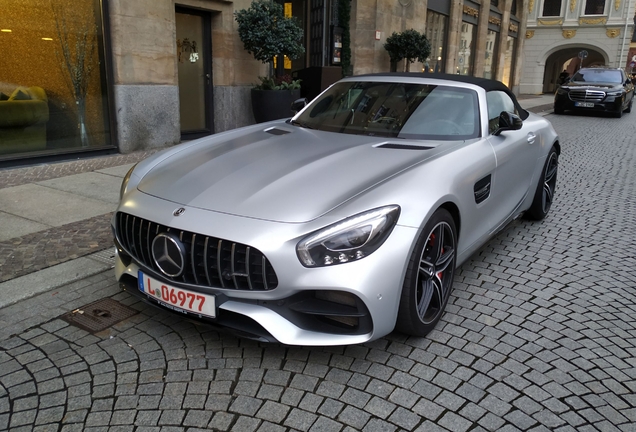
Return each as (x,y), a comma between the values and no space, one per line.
(277,131)
(403,146)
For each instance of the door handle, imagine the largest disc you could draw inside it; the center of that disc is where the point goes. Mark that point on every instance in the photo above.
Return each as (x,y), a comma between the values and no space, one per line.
(531,137)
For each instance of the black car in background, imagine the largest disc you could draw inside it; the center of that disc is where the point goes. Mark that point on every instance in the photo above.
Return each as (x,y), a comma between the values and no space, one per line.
(596,89)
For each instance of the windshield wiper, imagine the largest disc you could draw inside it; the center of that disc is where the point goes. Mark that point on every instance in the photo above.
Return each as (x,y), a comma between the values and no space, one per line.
(302,125)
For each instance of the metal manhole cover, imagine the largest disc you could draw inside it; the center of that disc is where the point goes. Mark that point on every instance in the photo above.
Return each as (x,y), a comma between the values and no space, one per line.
(98,316)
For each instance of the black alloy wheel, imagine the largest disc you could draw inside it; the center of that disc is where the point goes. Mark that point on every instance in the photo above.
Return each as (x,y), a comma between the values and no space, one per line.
(544,194)
(429,279)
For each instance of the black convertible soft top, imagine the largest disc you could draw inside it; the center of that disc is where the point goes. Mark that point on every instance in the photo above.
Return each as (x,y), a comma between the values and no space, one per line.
(485,83)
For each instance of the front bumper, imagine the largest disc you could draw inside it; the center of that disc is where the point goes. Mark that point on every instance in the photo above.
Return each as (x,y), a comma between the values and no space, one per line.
(608,104)
(305,308)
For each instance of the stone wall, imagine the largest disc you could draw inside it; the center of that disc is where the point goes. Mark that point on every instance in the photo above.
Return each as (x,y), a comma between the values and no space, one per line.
(146,96)
(385,16)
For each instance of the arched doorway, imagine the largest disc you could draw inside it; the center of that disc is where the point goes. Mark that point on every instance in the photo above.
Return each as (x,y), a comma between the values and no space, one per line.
(567,58)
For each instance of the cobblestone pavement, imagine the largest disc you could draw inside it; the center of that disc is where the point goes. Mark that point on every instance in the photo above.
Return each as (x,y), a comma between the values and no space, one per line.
(540,334)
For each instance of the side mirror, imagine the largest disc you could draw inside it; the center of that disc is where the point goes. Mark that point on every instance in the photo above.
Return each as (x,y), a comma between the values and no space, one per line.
(628,81)
(508,121)
(298,104)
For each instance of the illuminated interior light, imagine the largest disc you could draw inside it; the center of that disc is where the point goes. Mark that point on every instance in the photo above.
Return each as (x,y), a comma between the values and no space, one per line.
(5,30)
(47,39)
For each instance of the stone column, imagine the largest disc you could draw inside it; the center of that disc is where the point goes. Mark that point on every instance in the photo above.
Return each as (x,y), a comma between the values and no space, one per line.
(521,37)
(482,33)
(454,29)
(503,35)
(144,71)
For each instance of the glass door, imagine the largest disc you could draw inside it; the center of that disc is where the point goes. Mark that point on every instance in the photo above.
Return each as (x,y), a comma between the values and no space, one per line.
(194,65)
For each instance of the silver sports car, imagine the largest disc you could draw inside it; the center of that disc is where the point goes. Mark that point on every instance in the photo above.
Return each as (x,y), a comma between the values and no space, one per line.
(343,223)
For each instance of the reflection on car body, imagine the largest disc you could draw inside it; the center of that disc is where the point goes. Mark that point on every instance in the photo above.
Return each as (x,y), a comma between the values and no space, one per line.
(343,223)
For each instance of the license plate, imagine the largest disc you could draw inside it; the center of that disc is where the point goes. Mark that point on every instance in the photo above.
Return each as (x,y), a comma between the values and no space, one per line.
(584,104)
(177,299)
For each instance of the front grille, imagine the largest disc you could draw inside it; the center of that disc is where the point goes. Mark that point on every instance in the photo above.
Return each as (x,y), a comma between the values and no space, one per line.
(209,261)
(581,95)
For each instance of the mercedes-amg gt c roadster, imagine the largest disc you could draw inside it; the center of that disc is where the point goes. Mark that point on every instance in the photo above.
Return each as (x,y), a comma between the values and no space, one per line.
(343,223)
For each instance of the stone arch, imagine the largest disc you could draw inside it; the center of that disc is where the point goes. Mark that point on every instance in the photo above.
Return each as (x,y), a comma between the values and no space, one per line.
(557,57)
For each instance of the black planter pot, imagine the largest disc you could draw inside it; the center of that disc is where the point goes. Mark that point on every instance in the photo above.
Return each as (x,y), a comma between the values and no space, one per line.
(273,104)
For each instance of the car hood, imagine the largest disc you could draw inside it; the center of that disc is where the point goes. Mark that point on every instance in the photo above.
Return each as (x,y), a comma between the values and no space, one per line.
(284,173)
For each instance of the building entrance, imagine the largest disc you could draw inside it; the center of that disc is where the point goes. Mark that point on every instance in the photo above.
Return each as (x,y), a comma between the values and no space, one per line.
(567,59)
(194,65)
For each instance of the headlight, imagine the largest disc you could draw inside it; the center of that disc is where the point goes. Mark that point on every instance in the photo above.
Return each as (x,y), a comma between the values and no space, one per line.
(562,90)
(124,182)
(348,240)
(614,93)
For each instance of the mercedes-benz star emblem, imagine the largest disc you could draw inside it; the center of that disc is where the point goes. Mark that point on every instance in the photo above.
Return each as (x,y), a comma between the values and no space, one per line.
(169,254)
(178,212)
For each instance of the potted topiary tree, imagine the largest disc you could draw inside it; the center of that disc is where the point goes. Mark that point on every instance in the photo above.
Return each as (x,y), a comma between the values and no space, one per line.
(410,45)
(267,34)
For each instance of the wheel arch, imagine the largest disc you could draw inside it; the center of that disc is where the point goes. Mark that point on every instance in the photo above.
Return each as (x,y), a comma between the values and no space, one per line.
(557,146)
(452,208)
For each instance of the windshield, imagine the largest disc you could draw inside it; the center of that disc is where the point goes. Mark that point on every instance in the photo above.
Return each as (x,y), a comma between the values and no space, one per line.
(402,110)
(598,76)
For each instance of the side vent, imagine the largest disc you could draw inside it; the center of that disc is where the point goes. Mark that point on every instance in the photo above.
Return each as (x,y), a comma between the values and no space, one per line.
(482,189)
(403,146)
(276,131)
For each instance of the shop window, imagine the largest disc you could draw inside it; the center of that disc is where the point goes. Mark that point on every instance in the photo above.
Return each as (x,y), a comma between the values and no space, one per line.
(490,62)
(53,79)
(508,61)
(436,27)
(595,7)
(466,48)
(551,8)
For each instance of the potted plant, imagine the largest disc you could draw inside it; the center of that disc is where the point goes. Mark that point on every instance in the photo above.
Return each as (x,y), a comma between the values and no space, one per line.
(267,34)
(410,45)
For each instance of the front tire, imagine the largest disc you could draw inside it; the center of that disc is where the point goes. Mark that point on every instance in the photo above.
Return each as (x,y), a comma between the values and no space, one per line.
(544,194)
(559,110)
(429,277)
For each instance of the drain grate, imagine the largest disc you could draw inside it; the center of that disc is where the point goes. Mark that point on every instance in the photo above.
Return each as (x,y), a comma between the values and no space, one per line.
(98,316)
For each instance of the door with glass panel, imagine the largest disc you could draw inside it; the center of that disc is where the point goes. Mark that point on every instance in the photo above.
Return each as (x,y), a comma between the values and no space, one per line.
(194,65)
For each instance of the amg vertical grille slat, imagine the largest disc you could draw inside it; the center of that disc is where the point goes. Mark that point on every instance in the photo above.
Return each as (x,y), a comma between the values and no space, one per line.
(140,240)
(205,261)
(247,268)
(193,259)
(218,262)
(264,273)
(209,262)
(232,262)
(127,236)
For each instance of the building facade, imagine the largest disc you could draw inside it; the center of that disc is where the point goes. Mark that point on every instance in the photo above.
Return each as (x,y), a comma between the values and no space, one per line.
(86,76)
(567,34)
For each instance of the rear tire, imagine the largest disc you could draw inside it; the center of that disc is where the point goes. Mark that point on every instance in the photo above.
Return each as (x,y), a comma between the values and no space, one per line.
(544,194)
(429,277)
(629,107)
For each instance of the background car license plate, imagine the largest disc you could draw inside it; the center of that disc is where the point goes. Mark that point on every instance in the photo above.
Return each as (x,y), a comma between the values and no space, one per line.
(584,104)
(173,297)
